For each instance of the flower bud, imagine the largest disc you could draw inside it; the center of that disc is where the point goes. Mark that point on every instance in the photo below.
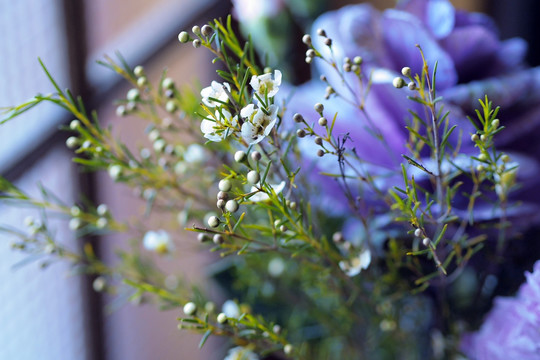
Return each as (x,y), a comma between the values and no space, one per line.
(190,309)
(310,53)
(328,42)
(218,239)
(411,85)
(231,206)
(398,82)
(196,30)
(406,71)
(183,37)
(170,106)
(322,121)
(298,118)
(320,153)
(133,95)
(74,124)
(239,156)
(221,318)
(225,185)
(300,133)
(288,349)
(256,156)
(474,137)
(319,107)
(138,71)
(318,140)
(220,204)
(207,30)
(253,177)
(321,32)
(358,60)
(222,195)
(426,241)
(202,237)
(418,232)
(213,221)
(196,43)
(338,237)
(72,142)
(306,39)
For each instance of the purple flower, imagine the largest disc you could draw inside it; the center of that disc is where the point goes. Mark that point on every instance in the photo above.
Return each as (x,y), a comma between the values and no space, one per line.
(512,328)
(471,62)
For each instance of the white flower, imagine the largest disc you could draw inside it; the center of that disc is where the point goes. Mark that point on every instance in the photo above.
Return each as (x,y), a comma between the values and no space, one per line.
(216,91)
(264,84)
(276,267)
(355,265)
(241,353)
(231,309)
(158,241)
(262,196)
(216,128)
(257,125)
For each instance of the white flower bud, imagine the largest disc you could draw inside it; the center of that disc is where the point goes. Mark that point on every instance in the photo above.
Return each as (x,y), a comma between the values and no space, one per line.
(170,106)
(167,83)
(318,107)
(220,204)
(75,211)
(207,30)
(321,32)
(418,232)
(196,43)
(102,209)
(101,222)
(322,121)
(222,195)
(99,284)
(133,95)
(159,145)
(298,118)
(358,60)
(320,153)
(213,221)
(222,318)
(115,171)
(72,142)
(231,206)
(190,309)
(306,39)
(218,239)
(253,177)
(288,349)
(225,185)
(196,30)
(239,156)
(74,124)
(142,81)
(474,137)
(183,37)
(308,60)
(495,123)
(398,82)
(75,224)
(483,138)
(426,241)
(256,156)
(411,85)
(121,111)
(138,71)
(338,237)
(406,71)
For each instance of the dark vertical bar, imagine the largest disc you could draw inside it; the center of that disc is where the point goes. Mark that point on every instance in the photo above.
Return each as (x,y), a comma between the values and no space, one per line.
(75,31)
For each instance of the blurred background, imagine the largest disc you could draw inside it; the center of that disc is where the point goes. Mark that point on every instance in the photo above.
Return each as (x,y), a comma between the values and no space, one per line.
(53,314)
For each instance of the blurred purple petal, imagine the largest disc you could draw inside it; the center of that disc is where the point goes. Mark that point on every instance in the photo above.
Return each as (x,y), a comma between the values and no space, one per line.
(438,15)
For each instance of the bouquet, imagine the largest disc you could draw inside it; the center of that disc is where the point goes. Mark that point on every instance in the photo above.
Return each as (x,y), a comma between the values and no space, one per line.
(369,213)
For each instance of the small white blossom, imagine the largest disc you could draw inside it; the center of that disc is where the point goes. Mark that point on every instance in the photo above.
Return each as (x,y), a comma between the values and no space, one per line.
(262,196)
(257,125)
(276,267)
(355,265)
(216,128)
(158,241)
(216,91)
(264,85)
(241,353)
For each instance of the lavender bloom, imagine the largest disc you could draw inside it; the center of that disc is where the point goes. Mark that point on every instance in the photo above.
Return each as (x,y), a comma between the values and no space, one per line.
(471,62)
(511,329)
